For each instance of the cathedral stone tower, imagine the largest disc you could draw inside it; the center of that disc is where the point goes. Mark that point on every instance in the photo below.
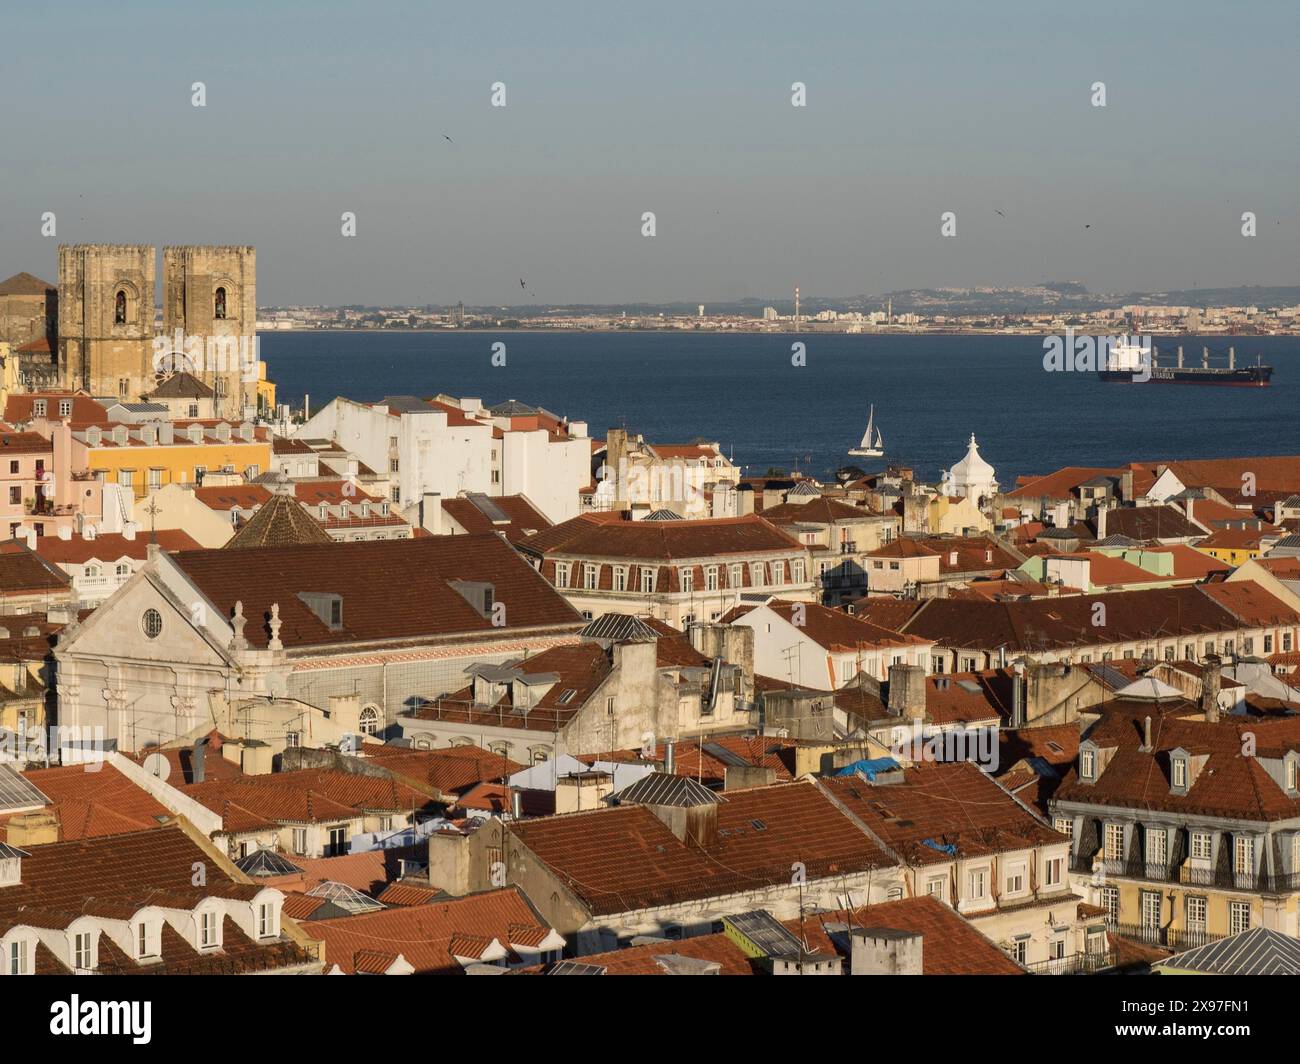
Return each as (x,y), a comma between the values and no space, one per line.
(210,294)
(106,318)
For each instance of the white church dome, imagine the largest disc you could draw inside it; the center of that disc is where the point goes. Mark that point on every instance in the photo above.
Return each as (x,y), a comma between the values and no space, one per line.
(972,469)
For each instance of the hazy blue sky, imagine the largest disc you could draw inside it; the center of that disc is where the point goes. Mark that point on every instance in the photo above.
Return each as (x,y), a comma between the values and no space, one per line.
(316,108)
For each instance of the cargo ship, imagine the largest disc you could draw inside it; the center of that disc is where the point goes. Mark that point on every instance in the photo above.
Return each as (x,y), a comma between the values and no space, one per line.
(1132,363)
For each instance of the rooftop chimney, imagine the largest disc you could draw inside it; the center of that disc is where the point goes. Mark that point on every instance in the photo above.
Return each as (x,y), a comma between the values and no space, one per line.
(33,829)
(1211,672)
(431,512)
(885,951)
(197,774)
(906,692)
(670,758)
(1146,735)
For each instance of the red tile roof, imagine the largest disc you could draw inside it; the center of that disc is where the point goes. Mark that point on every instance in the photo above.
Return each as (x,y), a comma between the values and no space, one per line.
(607,535)
(837,631)
(1229,783)
(624,858)
(118,875)
(391,589)
(952,803)
(241,496)
(94,804)
(111,546)
(524,518)
(1066,623)
(425,934)
(447,771)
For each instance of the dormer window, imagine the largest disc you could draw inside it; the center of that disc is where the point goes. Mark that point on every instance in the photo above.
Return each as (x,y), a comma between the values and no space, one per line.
(208,937)
(17,957)
(1180,772)
(11,865)
(38,408)
(1087,764)
(82,953)
(266,920)
(144,941)
(327,607)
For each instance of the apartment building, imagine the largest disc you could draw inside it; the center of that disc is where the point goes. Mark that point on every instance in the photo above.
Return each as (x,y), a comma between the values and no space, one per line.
(445,445)
(681,572)
(839,536)
(1184,820)
(1160,624)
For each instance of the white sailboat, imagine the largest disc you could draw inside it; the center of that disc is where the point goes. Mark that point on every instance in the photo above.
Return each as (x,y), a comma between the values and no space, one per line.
(866,448)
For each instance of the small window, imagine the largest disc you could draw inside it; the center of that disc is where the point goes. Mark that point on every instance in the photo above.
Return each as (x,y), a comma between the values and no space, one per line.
(152,623)
(81,951)
(119,308)
(219,305)
(208,930)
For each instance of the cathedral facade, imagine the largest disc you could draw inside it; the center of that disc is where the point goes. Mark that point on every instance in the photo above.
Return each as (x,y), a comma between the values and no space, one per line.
(108,343)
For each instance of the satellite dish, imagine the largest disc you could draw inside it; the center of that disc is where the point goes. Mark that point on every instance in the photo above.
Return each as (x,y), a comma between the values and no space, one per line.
(157,765)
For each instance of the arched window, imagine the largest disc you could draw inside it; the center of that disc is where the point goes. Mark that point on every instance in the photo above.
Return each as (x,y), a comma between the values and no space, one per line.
(119,308)
(219,308)
(369,720)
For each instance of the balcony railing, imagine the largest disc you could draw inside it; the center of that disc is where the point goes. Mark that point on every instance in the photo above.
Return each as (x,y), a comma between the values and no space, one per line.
(1175,938)
(1076,964)
(1189,875)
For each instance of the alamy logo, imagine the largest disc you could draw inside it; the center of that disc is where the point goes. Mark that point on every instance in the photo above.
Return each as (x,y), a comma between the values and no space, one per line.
(79,1017)
(183,353)
(1091,354)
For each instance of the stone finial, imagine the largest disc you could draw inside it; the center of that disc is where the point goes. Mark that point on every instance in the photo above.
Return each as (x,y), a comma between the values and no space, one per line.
(275,643)
(237,622)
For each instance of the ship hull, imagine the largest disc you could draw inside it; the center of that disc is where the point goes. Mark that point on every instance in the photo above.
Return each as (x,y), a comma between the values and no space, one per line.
(1245,377)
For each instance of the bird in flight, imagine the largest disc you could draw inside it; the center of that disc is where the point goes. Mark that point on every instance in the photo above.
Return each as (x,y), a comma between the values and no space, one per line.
(522,283)
(448,139)
(998,213)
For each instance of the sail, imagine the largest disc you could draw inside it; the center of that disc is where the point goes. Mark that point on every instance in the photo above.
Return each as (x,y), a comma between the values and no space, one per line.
(866,436)
(880,445)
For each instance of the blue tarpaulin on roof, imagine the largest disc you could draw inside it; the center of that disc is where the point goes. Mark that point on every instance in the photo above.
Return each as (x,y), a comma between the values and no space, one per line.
(942,847)
(869,767)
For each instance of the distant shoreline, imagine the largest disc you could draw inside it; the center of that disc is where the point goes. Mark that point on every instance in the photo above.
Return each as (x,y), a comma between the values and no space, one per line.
(1078,331)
